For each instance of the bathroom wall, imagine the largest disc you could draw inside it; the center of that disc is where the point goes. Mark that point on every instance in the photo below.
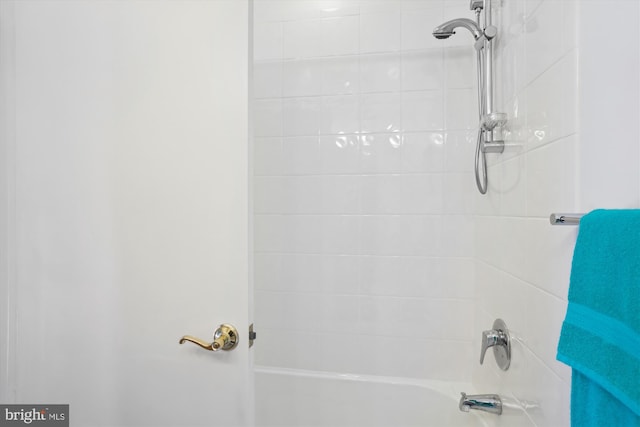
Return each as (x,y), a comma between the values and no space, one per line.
(552,68)
(522,262)
(364,228)
(368,223)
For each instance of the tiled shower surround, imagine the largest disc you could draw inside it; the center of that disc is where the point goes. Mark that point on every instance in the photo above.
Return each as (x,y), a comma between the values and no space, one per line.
(374,252)
(364,230)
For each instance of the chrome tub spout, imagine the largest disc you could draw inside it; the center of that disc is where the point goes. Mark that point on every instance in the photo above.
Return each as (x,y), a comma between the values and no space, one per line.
(481,402)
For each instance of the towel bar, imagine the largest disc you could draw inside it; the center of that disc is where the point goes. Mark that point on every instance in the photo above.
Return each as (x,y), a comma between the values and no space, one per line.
(565,218)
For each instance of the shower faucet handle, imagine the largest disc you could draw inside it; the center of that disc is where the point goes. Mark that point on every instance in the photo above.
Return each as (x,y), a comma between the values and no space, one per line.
(499,339)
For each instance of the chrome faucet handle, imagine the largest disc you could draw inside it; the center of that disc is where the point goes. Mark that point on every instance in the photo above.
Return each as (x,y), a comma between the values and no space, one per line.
(499,339)
(489,339)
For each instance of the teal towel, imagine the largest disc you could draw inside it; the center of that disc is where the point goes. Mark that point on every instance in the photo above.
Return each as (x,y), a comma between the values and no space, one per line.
(600,337)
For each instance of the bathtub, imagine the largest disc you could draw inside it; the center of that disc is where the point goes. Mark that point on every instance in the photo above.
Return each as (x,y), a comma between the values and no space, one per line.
(302,398)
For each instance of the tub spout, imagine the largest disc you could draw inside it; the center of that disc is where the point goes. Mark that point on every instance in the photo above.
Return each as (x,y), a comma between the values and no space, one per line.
(481,402)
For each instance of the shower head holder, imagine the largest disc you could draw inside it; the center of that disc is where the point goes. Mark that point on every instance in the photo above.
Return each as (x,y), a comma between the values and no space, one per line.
(493,120)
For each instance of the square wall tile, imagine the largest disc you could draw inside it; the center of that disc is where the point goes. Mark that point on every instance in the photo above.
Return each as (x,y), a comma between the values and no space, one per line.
(459,148)
(267,271)
(339,36)
(422,111)
(401,235)
(513,187)
(401,194)
(382,194)
(268,233)
(423,152)
(380,32)
(267,156)
(378,6)
(414,358)
(458,236)
(380,73)
(409,5)
(340,75)
(339,154)
(267,41)
(337,8)
(300,155)
(302,77)
(307,351)
(461,109)
(414,317)
(461,67)
(301,116)
(267,79)
(394,275)
(339,115)
(422,193)
(268,194)
(326,274)
(322,234)
(381,153)
(551,178)
(302,39)
(423,69)
(315,312)
(380,112)
(268,10)
(458,191)
(321,194)
(267,115)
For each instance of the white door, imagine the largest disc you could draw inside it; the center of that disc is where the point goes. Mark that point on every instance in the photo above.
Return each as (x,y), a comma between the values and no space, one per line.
(125,209)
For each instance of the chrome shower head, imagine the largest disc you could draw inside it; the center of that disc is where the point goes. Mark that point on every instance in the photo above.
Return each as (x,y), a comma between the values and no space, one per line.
(447,29)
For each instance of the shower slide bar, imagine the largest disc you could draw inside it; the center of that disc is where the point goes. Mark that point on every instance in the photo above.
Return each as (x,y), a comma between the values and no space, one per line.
(565,218)
(491,123)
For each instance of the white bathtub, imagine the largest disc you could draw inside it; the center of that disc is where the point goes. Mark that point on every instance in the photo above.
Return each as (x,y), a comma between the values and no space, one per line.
(302,398)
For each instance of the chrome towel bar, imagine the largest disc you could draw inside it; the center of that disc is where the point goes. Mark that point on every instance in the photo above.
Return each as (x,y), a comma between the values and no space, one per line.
(565,218)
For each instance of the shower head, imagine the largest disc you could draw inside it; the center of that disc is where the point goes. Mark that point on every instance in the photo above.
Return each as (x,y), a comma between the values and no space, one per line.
(447,29)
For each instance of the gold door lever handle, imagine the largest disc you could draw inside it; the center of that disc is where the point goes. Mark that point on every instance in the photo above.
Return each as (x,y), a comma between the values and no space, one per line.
(224,338)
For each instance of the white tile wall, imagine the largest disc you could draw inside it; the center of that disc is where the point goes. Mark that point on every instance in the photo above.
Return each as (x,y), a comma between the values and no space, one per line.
(522,263)
(354,242)
(551,166)
(366,209)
